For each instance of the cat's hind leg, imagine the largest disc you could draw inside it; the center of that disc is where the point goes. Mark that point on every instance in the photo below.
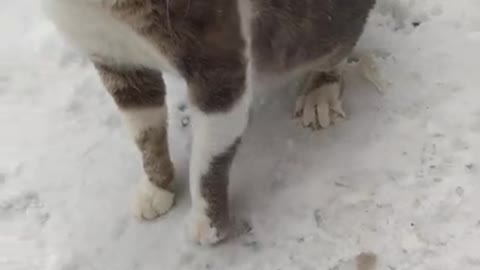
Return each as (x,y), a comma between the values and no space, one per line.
(319,103)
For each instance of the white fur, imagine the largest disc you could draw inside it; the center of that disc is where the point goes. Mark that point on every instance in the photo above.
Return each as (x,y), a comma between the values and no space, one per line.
(213,135)
(319,108)
(151,201)
(89,26)
(200,231)
(141,119)
(246,13)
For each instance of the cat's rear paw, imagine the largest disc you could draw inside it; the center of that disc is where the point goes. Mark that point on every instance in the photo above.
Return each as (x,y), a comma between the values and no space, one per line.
(151,201)
(320,107)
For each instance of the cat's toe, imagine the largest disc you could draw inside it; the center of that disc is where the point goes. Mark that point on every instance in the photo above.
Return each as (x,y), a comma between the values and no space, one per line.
(319,108)
(202,231)
(151,201)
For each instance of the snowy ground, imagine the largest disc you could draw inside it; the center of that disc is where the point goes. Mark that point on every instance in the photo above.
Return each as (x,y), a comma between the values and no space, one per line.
(400,178)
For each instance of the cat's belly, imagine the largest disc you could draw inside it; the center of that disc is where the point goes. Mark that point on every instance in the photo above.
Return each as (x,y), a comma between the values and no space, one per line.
(288,34)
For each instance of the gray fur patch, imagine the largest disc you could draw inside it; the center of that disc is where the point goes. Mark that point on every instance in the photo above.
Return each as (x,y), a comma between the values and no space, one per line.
(214,187)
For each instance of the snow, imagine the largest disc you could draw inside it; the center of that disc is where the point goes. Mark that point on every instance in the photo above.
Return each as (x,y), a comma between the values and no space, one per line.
(399,178)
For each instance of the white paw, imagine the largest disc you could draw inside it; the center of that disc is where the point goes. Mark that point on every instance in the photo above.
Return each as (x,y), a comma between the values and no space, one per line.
(321,107)
(200,229)
(151,201)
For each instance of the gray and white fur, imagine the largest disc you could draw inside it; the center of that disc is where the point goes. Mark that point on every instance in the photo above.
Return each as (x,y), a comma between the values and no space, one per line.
(224,49)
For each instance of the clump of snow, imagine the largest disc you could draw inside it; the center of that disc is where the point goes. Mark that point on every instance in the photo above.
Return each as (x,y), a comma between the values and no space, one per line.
(399,179)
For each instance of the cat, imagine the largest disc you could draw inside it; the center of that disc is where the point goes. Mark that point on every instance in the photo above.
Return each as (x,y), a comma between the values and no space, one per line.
(224,49)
